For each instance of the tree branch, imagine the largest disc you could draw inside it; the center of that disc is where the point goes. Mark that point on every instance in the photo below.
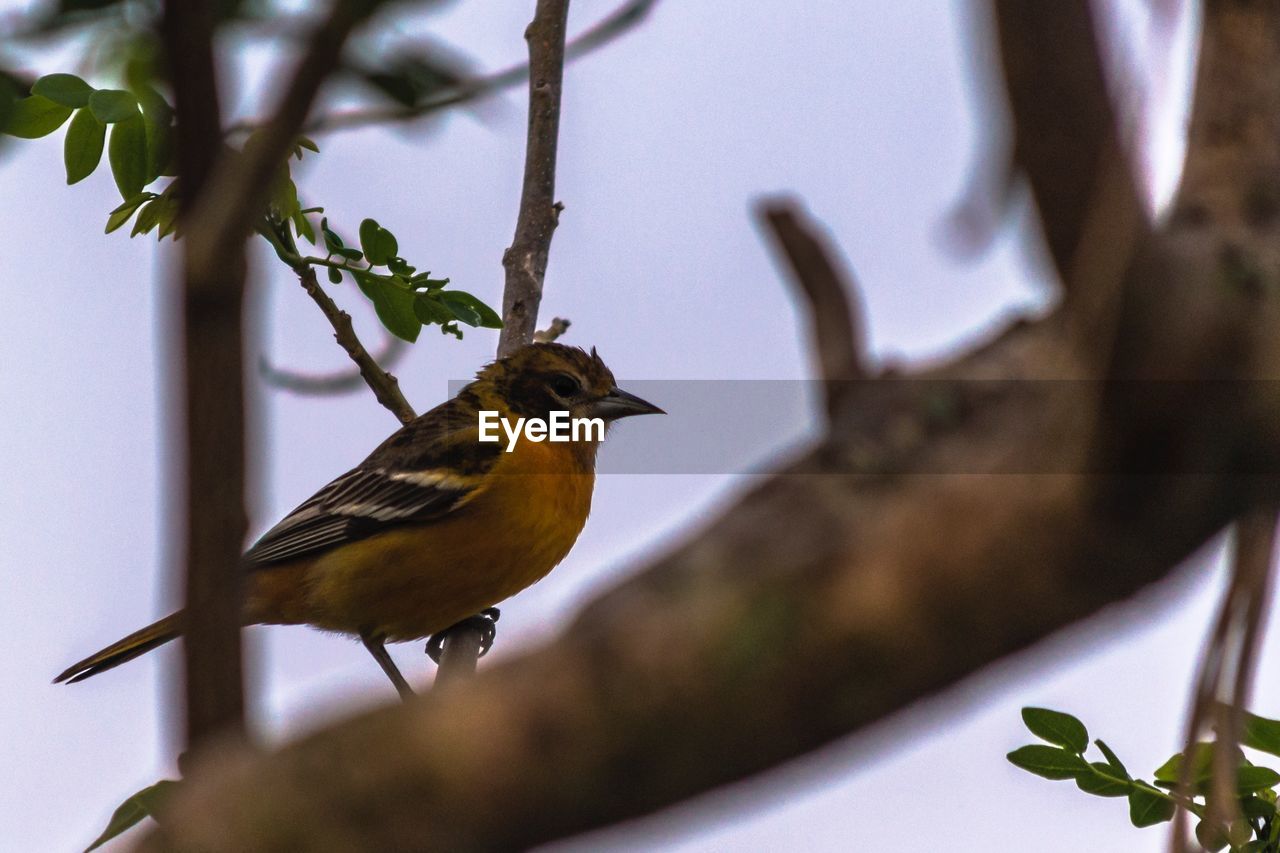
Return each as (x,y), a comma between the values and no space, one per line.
(557,327)
(241,180)
(384,386)
(222,192)
(526,260)
(214,441)
(1066,136)
(337,382)
(837,337)
(598,35)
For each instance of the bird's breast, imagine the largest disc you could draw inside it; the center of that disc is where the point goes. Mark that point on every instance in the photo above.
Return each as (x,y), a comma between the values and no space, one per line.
(413,581)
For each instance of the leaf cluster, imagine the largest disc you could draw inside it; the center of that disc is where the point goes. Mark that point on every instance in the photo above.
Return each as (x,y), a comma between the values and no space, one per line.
(1062,757)
(140,151)
(140,121)
(404,299)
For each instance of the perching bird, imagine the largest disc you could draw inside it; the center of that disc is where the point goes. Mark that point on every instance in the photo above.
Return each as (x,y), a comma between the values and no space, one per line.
(435,525)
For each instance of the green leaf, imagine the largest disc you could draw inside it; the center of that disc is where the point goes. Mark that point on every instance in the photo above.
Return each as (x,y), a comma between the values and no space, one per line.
(1057,728)
(335,275)
(148,218)
(167,220)
(379,244)
(125,211)
(35,116)
(1210,836)
(127,152)
(393,305)
(424,280)
(284,195)
(429,310)
(1261,733)
(1102,782)
(158,117)
(1250,779)
(1051,762)
(1116,766)
(308,143)
(332,241)
(349,253)
(1202,765)
(400,267)
(113,105)
(66,89)
(1148,807)
(1257,808)
(145,803)
(302,226)
(82,149)
(473,312)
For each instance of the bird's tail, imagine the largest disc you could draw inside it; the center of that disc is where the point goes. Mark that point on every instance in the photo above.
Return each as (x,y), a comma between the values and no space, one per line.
(137,643)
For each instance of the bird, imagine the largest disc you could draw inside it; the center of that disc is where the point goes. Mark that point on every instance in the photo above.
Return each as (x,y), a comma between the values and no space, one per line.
(436,524)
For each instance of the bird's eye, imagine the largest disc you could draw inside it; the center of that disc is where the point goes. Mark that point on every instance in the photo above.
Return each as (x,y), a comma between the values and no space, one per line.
(564,385)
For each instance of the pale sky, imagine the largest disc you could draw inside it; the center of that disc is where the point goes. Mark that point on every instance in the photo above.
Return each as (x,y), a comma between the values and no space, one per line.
(868,111)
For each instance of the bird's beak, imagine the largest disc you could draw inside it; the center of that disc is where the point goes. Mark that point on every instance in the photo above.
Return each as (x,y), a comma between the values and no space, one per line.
(619,404)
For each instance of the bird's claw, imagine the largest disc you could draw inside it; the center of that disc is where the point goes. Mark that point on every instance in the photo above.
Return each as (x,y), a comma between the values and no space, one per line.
(485,622)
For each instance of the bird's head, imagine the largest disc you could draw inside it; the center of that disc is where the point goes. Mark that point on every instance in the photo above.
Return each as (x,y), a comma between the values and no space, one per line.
(541,378)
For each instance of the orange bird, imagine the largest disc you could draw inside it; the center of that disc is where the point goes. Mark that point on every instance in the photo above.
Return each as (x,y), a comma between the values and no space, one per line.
(436,524)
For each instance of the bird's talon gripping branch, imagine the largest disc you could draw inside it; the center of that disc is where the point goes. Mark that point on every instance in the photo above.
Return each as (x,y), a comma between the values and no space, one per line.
(485,622)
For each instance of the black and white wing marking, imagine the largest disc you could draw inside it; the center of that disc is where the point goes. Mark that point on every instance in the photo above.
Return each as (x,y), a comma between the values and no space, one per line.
(359,504)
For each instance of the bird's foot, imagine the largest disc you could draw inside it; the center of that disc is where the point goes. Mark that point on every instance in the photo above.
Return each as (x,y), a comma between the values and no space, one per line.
(485,622)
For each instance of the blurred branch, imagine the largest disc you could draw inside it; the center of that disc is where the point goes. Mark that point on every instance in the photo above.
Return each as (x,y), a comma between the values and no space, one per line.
(902,573)
(837,337)
(1066,140)
(222,195)
(1224,678)
(598,35)
(1065,129)
(242,180)
(214,445)
(339,382)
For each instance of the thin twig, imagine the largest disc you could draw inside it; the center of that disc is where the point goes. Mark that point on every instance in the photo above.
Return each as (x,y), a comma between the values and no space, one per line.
(384,386)
(610,27)
(326,384)
(557,327)
(460,653)
(837,335)
(1225,675)
(526,260)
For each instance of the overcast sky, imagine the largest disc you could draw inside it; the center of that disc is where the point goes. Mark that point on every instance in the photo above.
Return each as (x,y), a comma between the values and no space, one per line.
(870,111)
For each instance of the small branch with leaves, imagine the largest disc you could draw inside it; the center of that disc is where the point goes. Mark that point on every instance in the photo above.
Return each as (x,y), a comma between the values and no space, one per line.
(1246,822)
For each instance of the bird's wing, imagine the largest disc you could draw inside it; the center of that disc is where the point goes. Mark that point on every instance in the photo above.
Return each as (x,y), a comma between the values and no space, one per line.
(421,473)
